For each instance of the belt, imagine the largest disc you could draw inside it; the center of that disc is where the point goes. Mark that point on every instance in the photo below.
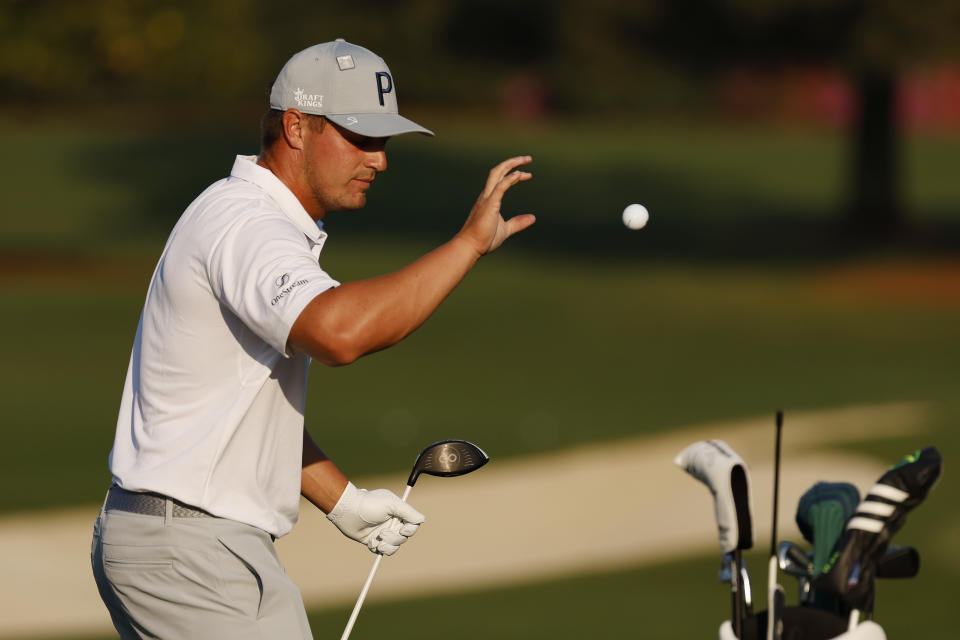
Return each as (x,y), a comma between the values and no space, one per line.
(151,504)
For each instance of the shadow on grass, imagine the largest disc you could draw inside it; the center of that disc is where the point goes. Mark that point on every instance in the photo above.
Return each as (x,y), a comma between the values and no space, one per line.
(429,189)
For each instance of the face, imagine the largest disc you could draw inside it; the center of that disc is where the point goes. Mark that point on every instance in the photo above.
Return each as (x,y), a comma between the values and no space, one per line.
(340,165)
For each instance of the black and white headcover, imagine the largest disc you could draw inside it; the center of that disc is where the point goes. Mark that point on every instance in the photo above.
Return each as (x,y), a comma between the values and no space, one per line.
(850,572)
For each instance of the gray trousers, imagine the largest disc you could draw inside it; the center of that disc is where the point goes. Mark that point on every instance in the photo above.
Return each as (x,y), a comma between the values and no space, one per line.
(177,578)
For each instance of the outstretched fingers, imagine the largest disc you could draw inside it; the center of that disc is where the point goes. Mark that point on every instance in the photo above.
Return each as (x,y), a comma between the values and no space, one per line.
(485,227)
(518,223)
(496,194)
(503,169)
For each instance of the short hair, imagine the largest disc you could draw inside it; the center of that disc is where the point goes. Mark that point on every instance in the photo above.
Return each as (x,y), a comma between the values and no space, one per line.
(271,126)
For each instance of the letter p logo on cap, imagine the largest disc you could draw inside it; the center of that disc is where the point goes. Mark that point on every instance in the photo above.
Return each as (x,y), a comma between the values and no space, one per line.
(381,90)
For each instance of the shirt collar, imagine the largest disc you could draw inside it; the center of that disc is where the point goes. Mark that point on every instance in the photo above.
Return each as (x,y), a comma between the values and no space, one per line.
(246,168)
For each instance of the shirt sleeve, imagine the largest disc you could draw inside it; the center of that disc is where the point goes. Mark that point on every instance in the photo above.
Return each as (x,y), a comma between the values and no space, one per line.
(263,270)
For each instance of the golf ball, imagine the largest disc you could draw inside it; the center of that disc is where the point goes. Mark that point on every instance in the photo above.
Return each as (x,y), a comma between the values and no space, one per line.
(635,216)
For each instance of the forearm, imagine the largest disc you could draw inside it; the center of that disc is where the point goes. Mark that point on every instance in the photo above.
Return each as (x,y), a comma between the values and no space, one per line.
(357,318)
(364,316)
(321,482)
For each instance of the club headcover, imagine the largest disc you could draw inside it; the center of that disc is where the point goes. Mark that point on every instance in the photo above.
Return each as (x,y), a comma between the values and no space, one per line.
(822,513)
(898,562)
(850,572)
(715,464)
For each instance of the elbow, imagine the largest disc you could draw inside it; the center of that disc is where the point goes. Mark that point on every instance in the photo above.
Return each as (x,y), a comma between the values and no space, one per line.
(339,359)
(337,351)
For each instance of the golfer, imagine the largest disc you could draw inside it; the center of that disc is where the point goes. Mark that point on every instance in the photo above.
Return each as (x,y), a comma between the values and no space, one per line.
(210,455)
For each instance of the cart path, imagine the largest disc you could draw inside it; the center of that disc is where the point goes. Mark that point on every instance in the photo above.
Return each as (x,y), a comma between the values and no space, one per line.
(584,510)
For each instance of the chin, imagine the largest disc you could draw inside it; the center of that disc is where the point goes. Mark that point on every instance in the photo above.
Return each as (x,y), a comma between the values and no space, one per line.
(349,205)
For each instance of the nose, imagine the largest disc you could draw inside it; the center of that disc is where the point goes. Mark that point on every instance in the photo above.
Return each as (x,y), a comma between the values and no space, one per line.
(377,160)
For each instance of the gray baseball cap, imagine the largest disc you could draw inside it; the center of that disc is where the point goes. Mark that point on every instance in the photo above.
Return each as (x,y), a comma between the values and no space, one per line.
(347,84)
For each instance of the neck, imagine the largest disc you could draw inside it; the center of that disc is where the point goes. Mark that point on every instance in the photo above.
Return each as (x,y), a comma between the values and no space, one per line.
(293,181)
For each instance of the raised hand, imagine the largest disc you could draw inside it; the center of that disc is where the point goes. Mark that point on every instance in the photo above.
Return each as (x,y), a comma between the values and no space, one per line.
(485,227)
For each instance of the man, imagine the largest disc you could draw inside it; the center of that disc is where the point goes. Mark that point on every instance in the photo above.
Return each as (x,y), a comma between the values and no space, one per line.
(210,454)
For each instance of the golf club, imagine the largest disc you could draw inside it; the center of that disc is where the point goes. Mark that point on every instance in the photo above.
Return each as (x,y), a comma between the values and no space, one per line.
(899,562)
(866,537)
(746,590)
(774,590)
(446,458)
(822,514)
(726,475)
(793,561)
(837,601)
(726,575)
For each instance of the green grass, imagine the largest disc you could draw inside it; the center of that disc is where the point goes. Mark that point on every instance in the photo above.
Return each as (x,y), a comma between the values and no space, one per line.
(575,332)
(680,600)
(670,601)
(711,189)
(591,351)
(530,354)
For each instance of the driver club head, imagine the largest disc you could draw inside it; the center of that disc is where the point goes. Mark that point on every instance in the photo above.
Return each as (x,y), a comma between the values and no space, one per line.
(448,458)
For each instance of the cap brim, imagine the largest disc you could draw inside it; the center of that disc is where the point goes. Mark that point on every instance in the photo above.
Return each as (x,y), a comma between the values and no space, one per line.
(377,125)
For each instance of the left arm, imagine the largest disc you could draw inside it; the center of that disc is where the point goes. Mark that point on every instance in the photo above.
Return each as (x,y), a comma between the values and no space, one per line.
(379,519)
(321,482)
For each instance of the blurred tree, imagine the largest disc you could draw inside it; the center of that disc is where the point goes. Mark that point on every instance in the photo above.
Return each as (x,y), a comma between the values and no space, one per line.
(528,59)
(475,29)
(888,39)
(603,66)
(873,40)
(68,52)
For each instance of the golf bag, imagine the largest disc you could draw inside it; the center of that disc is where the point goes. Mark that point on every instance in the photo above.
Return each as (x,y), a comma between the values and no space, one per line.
(851,539)
(805,623)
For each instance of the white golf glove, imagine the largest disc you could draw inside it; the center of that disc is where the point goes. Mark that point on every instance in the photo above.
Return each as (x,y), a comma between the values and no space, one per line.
(378,519)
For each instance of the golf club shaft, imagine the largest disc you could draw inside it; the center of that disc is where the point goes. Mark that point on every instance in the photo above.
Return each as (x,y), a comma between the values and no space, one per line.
(772,586)
(737,593)
(776,485)
(854,619)
(771,597)
(366,585)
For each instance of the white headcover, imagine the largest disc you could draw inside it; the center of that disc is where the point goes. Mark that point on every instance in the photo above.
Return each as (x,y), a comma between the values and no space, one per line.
(713,462)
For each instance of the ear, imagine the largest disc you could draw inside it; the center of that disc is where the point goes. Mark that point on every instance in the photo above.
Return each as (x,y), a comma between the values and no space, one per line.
(294,127)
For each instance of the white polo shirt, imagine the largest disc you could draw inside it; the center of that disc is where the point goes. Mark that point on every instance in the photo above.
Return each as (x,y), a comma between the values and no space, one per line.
(212,407)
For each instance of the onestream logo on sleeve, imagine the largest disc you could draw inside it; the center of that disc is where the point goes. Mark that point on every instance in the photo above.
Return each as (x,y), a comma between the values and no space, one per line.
(283,283)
